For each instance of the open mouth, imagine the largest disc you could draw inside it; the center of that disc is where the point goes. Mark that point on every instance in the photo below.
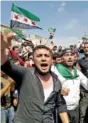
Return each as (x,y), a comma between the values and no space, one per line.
(70,61)
(44,65)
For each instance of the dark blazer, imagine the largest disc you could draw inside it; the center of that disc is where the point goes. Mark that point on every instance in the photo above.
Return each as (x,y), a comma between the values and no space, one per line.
(32,108)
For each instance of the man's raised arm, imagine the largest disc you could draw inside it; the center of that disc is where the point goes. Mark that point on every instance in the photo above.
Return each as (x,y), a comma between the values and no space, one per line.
(14,71)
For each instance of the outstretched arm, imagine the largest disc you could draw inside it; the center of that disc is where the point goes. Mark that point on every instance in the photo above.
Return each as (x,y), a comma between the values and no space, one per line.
(14,71)
(5,43)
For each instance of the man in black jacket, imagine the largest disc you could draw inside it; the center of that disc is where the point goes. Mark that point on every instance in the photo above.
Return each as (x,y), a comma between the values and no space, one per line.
(83,62)
(39,91)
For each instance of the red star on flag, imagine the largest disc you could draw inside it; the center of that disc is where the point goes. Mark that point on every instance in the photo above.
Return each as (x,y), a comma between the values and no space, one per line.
(33,22)
(16,17)
(26,20)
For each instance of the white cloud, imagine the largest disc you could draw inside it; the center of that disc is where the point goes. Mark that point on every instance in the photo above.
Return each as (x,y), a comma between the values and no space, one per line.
(71,24)
(62,6)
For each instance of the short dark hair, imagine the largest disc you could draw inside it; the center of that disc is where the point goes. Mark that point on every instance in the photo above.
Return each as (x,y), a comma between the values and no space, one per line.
(67,50)
(85,43)
(57,55)
(28,44)
(14,47)
(42,47)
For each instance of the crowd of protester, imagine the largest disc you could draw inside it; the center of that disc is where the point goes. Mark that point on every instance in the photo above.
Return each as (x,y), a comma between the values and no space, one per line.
(68,67)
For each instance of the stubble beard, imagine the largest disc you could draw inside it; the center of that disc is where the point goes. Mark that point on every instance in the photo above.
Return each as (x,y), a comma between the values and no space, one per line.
(41,72)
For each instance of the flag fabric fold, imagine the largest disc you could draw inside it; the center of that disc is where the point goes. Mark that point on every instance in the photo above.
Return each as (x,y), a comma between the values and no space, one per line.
(21,18)
(18,33)
(51,30)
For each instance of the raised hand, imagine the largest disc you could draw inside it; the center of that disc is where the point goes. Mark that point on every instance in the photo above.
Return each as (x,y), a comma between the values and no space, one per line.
(5,43)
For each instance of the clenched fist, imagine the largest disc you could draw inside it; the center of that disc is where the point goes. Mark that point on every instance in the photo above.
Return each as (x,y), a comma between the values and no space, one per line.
(65,91)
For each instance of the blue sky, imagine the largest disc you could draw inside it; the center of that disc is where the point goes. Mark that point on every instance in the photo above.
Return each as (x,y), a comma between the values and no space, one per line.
(69,18)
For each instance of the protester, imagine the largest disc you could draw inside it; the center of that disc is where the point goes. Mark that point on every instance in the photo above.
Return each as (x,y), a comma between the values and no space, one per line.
(76,58)
(16,49)
(27,47)
(6,93)
(71,79)
(60,49)
(15,99)
(57,58)
(39,91)
(83,62)
(15,55)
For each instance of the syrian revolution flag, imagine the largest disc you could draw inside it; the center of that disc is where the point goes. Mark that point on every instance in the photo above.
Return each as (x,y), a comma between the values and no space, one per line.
(21,18)
(51,31)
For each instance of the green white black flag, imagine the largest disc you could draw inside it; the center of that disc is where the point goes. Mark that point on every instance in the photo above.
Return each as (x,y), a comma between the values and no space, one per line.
(51,31)
(21,18)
